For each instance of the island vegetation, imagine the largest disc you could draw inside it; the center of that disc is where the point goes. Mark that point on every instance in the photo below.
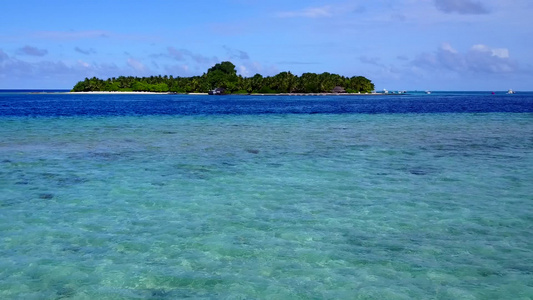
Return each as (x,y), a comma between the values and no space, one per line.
(224,76)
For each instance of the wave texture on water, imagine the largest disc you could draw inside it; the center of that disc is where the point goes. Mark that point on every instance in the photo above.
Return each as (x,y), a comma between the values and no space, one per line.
(266,206)
(142,105)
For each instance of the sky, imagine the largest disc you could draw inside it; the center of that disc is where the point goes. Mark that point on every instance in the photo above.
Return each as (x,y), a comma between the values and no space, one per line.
(397,44)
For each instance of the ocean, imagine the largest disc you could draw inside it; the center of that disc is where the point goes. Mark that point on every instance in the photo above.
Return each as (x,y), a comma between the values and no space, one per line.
(266,197)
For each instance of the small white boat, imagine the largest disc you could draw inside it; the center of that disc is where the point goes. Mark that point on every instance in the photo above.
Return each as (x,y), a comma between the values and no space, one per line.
(428,92)
(510,92)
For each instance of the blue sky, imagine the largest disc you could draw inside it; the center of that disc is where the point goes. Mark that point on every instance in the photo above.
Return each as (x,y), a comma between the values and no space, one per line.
(398,44)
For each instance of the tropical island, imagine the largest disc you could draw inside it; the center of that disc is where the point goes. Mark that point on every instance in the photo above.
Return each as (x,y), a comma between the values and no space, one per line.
(222,78)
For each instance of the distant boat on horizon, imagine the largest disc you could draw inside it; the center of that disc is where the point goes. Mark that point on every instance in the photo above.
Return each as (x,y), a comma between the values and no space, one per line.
(510,92)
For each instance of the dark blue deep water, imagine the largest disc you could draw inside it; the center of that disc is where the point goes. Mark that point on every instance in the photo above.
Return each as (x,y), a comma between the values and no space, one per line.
(54,104)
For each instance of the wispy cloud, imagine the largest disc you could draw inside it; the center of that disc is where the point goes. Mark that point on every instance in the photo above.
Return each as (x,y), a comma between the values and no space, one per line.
(85,51)
(72,35)
(464,7)
(3,56)
(237,54)
(370,60)
(176,54)
(183,54)
(285,62)
(402,57)
(32,51)
(310,12)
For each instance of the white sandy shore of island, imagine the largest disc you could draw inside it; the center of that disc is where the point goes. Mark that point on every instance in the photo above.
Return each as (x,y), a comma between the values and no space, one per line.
(253,94)
(122,93)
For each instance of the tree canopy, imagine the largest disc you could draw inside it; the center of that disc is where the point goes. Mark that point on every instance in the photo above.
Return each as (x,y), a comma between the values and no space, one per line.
(224,75)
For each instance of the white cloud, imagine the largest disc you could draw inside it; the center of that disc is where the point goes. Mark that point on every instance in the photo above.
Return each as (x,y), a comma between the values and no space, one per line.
(83,64)
(503,53)
(500,52)
(253,67)
(483,59)
(181,70)
(249,69)
(479,59)
(19,73)
(243,71)
(136,65)
(448,47)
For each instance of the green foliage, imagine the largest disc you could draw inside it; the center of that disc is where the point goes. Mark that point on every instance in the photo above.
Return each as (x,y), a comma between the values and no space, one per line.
(224,75)
(112,86)
(241,92)
(177,89)
(225,67)
(266,90)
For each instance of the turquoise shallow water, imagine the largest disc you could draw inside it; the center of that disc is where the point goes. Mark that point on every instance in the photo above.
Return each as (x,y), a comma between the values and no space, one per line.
(355,206)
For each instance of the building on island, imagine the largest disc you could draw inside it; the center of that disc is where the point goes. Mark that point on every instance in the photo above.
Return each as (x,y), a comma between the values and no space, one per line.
(217,91)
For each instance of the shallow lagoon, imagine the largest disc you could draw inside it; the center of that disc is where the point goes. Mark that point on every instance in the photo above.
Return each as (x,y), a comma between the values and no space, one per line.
(272,205)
